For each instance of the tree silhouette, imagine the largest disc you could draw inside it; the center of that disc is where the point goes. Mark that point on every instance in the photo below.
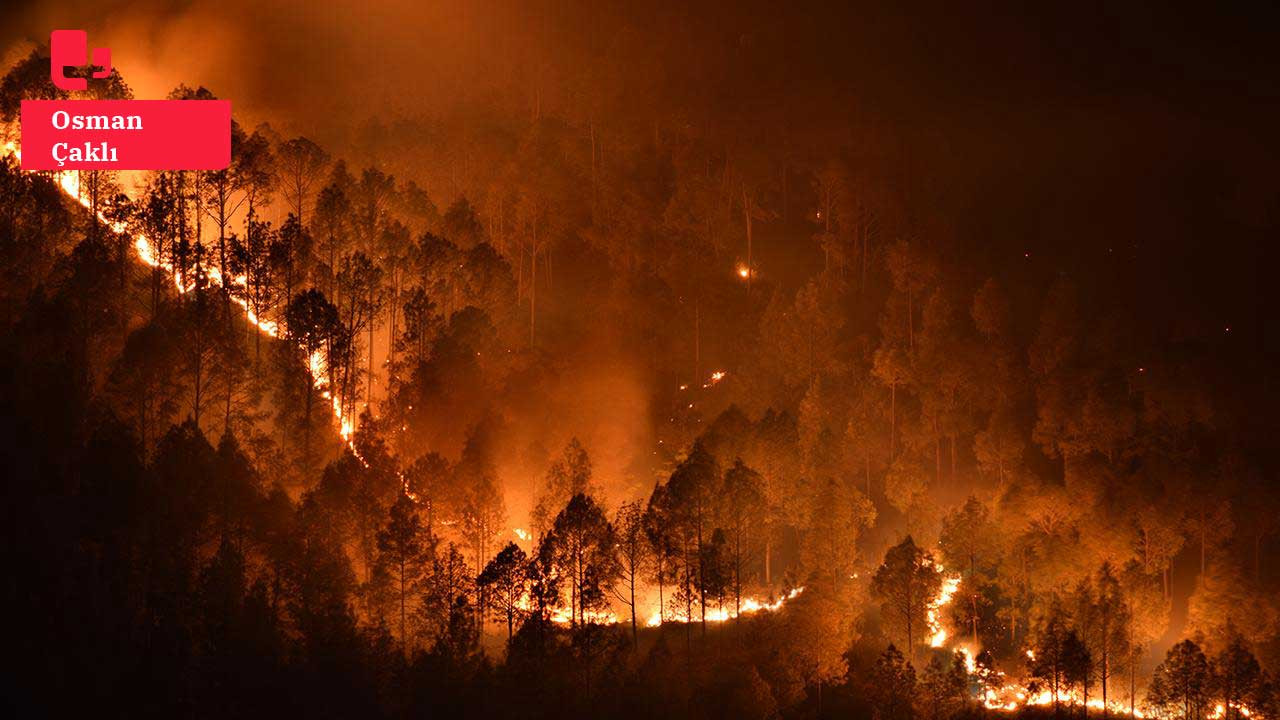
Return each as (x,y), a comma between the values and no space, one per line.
(403,549)
(504,581)
(906,582)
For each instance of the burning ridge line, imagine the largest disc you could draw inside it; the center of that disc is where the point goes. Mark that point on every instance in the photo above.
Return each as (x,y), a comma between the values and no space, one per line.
(317,367)
(1012,696)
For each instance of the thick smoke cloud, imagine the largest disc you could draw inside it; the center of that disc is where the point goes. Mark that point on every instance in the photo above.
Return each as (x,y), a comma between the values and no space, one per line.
(301,64)
(1052,132)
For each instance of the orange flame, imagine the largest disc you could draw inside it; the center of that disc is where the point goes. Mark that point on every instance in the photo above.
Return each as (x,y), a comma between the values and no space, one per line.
(69,182)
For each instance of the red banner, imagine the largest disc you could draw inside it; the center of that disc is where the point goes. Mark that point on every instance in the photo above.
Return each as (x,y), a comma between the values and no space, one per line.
(126,134)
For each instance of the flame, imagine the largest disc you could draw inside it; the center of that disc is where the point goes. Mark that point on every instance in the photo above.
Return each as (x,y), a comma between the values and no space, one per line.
(69,182)
(933,612)
(750,606)
(1006,695)
(1220,711)
(565,616)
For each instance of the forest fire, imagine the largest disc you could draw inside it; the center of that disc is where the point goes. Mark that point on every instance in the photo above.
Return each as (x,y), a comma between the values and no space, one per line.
(145,251)
(997,692)
(317,367)
(1000,694)
(1220,711)
(761,368)
(562,615)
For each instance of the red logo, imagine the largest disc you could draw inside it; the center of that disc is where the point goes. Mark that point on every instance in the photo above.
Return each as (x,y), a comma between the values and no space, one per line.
(118,134)
(68,48)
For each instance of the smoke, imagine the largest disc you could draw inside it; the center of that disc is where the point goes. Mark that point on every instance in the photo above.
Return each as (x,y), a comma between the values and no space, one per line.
(1053,127)
(299,64)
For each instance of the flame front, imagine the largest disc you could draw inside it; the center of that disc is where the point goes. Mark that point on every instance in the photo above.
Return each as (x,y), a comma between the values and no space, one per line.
(750,606)
(1000,695)
(69,182)
(933,612)
(1008,696)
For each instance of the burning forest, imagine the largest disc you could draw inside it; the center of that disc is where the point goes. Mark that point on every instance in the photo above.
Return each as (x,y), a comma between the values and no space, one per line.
(625,361)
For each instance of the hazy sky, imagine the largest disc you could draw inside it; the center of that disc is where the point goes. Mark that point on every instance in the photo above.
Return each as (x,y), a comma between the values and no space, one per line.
(1070,130)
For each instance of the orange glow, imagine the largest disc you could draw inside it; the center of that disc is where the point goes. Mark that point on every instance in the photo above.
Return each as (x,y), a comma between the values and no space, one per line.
(749,606)
(69,183)
(933,613)
(1011,695)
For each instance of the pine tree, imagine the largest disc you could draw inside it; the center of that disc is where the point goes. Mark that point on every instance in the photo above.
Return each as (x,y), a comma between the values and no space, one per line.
(504,581)
(1182,682)
(906,582)
(403,549)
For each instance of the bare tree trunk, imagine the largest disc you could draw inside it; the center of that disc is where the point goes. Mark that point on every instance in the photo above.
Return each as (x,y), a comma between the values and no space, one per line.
(1257,557)
(937,453)
(746,212)
(865,240)
(533,288)
(702,579)
(911,646)
(973,613)
(635,633)
(368,396)
(697,343)
(195,411)
(662,603)
(1133,680)
(1203,542)
(594,192)
(952,443)
(306,425)
(394,320)
(893,418)
(768,561)
(737,573)
(911,321)
(404,649)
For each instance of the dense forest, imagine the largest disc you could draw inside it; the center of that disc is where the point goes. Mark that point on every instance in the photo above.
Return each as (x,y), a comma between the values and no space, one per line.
(630,392)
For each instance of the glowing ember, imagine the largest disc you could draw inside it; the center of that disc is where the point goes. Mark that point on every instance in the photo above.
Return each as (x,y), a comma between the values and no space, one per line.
(749,607)
(1219,711)
(565,616)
